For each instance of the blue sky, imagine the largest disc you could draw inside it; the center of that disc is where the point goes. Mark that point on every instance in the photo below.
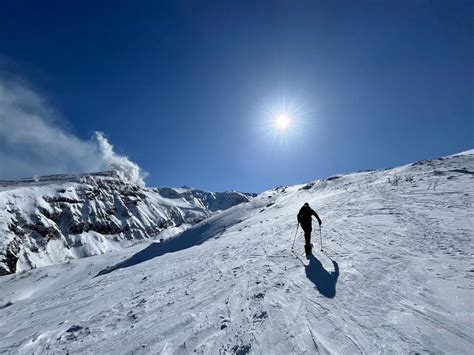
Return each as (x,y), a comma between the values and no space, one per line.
(188,89)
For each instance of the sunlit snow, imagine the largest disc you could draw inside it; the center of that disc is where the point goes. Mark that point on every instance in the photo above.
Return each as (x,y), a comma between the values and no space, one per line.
(396,277)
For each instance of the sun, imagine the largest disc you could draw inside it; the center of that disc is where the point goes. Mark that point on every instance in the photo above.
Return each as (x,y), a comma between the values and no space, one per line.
(282,121)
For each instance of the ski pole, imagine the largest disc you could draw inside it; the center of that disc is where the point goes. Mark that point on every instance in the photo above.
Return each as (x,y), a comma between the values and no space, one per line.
(294,240)
(321,237)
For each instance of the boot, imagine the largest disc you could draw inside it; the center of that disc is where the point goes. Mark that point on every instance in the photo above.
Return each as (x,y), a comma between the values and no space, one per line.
(307,249)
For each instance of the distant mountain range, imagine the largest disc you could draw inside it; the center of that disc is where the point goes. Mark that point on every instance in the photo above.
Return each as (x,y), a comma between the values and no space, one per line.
(52,219)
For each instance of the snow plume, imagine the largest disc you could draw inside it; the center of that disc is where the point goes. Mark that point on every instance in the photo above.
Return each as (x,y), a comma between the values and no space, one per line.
(34,141)
(127,169)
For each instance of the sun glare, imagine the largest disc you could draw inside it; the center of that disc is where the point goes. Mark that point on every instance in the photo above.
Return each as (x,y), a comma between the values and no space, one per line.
(282,121)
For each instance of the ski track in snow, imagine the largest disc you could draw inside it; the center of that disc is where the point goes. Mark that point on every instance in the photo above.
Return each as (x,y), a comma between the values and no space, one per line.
(396,275)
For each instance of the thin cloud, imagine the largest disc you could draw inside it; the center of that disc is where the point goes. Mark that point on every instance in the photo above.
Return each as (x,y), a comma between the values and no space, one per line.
(33,142)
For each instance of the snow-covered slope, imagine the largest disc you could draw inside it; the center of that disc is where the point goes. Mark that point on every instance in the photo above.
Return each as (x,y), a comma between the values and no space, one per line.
(53,219)
(396,277)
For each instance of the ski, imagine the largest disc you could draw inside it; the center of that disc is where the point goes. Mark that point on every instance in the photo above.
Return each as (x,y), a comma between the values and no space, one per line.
(300,258)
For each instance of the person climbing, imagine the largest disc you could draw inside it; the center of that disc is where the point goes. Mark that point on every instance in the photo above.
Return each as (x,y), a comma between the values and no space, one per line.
(304,218)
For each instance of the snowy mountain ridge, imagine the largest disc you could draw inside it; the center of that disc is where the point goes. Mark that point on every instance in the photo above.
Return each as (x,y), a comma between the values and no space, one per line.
(396,276)
(52,219)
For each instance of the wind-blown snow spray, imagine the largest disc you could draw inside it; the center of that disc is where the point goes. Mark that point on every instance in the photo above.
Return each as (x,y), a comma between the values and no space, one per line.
(33,134)
(126,169)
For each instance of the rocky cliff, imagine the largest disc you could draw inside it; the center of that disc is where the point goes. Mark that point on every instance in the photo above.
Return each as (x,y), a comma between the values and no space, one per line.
(53,219)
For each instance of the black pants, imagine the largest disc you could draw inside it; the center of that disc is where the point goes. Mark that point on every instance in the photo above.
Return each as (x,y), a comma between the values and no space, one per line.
(307,228)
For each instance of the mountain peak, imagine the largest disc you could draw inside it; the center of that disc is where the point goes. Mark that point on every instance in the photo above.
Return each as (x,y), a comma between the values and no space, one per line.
(52,219)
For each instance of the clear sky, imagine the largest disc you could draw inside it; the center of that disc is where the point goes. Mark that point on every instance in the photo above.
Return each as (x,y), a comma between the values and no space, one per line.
(189,89)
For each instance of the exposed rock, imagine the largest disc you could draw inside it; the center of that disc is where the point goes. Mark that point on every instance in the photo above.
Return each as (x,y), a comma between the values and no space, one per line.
(53,219)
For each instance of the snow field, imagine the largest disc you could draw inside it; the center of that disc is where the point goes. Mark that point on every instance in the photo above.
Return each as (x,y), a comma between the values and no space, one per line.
(396,277)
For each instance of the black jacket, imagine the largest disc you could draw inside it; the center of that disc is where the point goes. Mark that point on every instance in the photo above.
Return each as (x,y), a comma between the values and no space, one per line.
(305,213)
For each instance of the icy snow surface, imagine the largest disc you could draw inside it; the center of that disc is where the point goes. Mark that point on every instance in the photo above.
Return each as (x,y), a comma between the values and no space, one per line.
(396,275)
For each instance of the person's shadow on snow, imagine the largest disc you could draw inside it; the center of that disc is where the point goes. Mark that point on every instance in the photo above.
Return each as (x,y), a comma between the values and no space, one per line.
(324,281)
